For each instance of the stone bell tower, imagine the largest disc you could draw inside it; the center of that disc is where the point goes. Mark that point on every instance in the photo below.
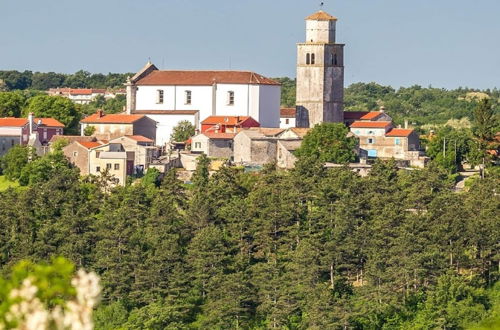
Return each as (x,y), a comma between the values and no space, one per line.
(320,73)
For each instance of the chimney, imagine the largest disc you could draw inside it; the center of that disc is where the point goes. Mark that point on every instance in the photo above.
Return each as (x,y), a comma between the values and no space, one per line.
(31,121)
(100,113)
(406,123)
(382,109)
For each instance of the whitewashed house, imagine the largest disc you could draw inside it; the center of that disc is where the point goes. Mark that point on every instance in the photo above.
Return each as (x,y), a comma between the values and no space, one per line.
(171,96)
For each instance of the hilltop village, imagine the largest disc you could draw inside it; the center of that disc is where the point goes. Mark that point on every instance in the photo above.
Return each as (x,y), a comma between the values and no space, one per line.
(236,117)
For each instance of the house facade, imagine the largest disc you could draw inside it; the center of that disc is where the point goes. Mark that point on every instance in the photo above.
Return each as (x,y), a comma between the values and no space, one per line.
(171,96)
(111,126)
(218,145)
(287,118)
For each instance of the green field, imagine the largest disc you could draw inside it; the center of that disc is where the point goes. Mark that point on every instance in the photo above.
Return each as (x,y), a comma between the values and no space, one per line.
(5,184)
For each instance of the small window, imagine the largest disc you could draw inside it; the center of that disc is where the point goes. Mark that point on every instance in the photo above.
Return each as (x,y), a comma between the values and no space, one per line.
(187,101)
(287,121)
(98,169)
(75,153)
(197,145)
(97,154)
(159,98)
(230,98)
(334,59)
(12,143)
(108,166)
(117,166)
(397,141)
(313,59)
(371,141)
(371,132)
(357,132)
(308,58)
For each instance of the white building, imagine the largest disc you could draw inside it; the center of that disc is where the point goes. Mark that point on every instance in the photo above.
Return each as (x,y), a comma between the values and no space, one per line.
(171,96)
(287,118)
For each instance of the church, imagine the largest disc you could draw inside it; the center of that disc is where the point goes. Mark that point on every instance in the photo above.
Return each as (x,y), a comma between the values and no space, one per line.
(169,97)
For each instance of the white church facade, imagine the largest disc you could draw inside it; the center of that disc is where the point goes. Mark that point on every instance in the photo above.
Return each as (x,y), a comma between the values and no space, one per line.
(169,97)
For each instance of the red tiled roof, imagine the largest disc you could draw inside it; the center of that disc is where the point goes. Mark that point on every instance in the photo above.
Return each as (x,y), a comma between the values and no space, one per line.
(225,120)
(361,115)
(399,132)
(90,144)
(51,122)
(371,124)
(220,136)
(13,122)
(96,118)
(321,16)
(204,78)
(139,138)
(81,91)
(287,112)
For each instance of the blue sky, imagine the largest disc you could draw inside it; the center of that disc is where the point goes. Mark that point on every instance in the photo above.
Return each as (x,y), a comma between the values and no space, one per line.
(443,43)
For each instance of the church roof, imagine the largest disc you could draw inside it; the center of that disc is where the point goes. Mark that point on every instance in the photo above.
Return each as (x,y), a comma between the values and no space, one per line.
(204,78)
(321,16)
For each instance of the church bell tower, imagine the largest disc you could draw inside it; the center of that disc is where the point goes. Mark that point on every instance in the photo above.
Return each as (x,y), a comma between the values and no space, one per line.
(320,73)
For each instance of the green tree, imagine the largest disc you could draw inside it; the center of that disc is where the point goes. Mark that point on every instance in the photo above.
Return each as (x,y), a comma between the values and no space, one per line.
(15,160)
(182,131)
(484,120)
(11,103)
(89,130)
(329,142)
(56,107)
(44,168)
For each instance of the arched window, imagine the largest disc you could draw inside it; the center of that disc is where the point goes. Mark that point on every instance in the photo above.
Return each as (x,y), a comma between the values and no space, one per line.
(312,58)
(308,58)
(335,59)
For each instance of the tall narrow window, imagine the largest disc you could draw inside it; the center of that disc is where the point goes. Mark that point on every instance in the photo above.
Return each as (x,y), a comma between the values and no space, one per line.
(335,62)
(188,97)
(230,98)
(159,98)
(308,58)
(313,58)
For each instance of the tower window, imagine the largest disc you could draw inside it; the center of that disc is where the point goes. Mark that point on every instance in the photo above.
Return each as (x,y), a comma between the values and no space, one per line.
(308,58)
(312,58)
(230,98)
(188,97)
(335,62)
(159,96)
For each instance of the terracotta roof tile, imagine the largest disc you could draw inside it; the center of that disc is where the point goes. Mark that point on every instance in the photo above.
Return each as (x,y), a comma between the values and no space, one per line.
(371,124)
(287,112)
(204,78)
(361,115)
(96,118)
(90,144)
(13,122)
(80,91)
(50,122)
(220,136)
(139,138)
(399,132)
(225,120)
(321,16)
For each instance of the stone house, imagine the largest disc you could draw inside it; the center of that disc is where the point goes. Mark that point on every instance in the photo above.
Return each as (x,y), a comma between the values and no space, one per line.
(111,126)
(256,146)
(352,116)
(142,147)
(285,149)
(78,153)
(218,145)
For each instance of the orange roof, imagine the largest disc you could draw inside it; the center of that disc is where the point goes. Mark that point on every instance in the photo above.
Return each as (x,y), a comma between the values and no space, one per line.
(287,112)
(204,78)
(139,138)
(361,115)
(399,132)
(51,122)
(221,136)
(96,118)
(80,91)
(371,124)
(13,122)
(90,144)
(224,120)
(321,16)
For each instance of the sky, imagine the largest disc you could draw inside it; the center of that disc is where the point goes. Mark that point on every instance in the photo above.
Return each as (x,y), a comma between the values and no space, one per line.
(443,43)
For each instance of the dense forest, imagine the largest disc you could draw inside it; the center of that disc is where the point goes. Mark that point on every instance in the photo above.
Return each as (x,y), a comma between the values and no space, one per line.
(311,248)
